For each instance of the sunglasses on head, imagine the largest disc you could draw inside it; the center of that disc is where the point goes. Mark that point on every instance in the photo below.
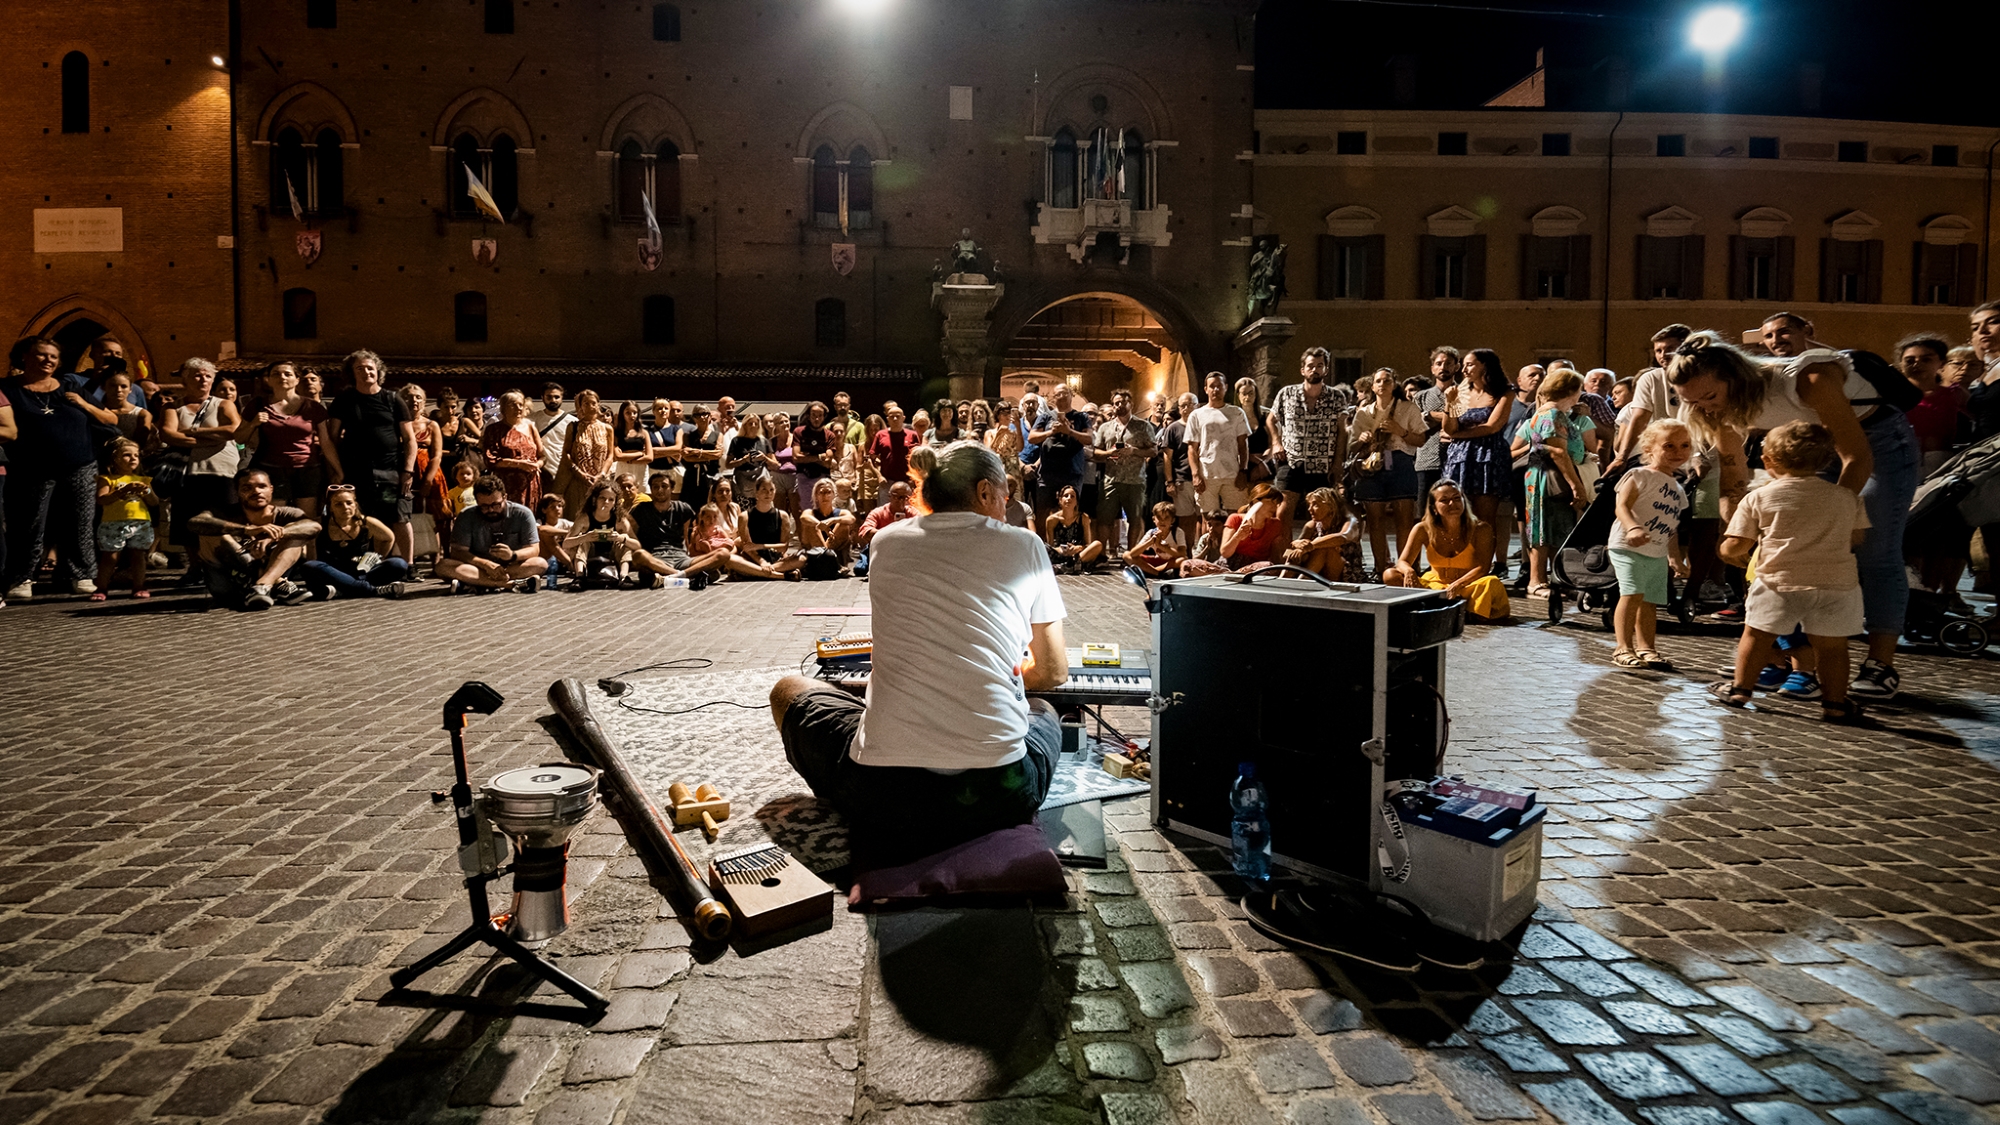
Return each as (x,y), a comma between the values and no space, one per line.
(340,488)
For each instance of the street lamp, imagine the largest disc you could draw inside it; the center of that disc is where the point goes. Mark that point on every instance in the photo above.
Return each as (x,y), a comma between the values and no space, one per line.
(862,7)
(1715,29)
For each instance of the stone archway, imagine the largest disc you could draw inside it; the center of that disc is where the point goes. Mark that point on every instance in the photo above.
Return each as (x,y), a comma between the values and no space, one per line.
(77,316)
(1097,342)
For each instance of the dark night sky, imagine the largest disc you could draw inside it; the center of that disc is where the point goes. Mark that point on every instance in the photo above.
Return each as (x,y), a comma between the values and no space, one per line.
(1891,61)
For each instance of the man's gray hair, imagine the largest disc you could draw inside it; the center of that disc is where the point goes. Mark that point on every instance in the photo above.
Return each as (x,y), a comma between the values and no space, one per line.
(954,485)
(199,365)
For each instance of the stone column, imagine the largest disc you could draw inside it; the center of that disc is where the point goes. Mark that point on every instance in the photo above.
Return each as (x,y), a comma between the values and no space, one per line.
(1257,351)
(966,300)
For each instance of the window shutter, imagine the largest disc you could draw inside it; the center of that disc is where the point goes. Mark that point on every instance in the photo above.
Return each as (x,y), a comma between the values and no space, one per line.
(1579,267)
(1377,249)
(1642,268)
(1427,263)
(1329,268)
(1475,267)
(1920,274)
(1694,262)
(1782,282)
(1871,271)
(1829,273)
(1967,291)
(1528,246)
(1739,268)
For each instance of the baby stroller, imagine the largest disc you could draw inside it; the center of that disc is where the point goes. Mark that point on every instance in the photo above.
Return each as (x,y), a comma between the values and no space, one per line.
(1582,566)
(1961,494)
(1931,620)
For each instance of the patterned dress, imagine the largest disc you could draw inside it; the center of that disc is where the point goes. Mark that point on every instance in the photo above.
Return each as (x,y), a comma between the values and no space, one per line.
(1550,517)
(517,443)
(1481,466)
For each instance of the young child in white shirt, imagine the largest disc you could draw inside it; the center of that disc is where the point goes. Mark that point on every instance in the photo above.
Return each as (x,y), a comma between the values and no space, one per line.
(1804,530)
(1162,548)
(1645,542)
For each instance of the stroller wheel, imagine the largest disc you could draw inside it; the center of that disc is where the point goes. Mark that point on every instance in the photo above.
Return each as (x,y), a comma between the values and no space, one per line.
(1610,626)
(1962,636)
(1555,607)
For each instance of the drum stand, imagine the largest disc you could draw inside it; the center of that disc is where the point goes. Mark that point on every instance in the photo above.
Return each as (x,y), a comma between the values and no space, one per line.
(476,696)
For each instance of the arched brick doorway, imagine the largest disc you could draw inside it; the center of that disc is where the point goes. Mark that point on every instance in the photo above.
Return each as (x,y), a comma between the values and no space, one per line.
(1097,342)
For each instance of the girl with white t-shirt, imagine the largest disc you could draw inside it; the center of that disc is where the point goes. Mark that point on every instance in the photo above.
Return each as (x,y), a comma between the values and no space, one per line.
(1645,543)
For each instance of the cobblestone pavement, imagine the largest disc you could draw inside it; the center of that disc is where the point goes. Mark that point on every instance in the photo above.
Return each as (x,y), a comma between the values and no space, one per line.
(1746,916)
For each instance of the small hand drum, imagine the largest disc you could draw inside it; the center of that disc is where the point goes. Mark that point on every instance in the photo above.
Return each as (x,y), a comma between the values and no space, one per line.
(538,807)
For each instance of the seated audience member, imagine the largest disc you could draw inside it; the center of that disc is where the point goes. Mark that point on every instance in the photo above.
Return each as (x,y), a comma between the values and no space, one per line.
(711,534)
(1459,545)
(1069,535)
(895,509)
(248,548)
(1159,552)
(1252,538)
(354,555)
(554,529)
(767,528)
(1205,557)
(599,543)
(495,544)
(629,496)
(826,524)
(660,533)
(1329,544)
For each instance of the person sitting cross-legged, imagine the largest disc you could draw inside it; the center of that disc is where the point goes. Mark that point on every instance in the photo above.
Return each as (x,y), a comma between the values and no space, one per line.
(1459,544)
(246,549)
(1071,538)
(495,545)
(1329,544)
(660,534)
(1251,539)
(599,542)
(826,524)
(354,555)
(1159,552)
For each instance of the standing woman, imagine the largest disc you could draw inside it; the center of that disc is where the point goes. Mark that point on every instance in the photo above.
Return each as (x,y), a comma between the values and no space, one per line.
(634,455)
(430,482)
(1251,400)
(815,453)
(52,467)
(1390,428)
(513,451)
(981,422)
(750,455)
(587,451)
(450,413)
(1981,379)
(282,427)
(1476,456)
(1554,487)
(699,454)
(203,430)
(944,417)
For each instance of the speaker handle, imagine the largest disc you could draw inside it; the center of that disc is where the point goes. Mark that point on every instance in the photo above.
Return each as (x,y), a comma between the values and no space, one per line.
(1336,587)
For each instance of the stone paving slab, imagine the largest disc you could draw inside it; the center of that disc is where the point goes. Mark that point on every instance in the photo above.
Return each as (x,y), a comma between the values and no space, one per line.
(1746,916)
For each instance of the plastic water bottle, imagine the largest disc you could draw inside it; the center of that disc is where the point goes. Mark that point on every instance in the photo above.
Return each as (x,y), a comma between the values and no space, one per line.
(677,582)
(1250,828)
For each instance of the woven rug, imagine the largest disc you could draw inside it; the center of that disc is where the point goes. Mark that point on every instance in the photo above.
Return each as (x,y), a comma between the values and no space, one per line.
(737,750)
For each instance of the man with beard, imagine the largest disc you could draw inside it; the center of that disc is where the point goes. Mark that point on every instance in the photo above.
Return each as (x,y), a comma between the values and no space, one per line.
(246,548)
(1308,437)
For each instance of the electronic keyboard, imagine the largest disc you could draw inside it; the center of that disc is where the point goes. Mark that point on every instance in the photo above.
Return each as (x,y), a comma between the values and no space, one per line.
(1129,685)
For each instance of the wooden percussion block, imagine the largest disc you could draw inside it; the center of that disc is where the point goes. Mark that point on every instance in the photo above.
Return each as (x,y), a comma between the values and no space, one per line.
(768,890)
(1120,766)
(690,812)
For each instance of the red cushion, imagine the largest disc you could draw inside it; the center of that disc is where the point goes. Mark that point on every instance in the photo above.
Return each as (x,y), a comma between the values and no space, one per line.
(1012,861)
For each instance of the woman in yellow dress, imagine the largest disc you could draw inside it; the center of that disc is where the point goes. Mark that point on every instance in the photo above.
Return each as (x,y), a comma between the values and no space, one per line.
(1459,544)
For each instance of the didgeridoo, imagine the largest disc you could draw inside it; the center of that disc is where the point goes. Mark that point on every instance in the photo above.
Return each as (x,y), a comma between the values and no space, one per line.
(685,888)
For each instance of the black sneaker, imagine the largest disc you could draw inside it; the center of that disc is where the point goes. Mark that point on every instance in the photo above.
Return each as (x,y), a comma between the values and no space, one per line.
(1876,681)
(698,581)
(529,584)
(290,593)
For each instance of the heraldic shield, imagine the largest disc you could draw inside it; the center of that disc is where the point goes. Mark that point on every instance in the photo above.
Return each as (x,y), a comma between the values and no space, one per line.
(308,242)
(485,250)
(649,254)
(843,258)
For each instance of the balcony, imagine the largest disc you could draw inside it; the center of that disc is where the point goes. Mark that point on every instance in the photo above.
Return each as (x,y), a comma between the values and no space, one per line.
(1077,228)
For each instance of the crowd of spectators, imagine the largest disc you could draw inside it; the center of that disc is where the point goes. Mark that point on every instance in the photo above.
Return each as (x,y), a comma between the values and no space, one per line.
(285,489)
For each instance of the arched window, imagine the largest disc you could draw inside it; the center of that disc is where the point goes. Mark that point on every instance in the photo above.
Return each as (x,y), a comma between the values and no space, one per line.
(631,182)
(329,193)
(666,23)
(469,317)
(667,183)
(495,167)
(830,322)
(499,17)
(825,188)
(301,314)
(503,178)
(656,319)
(321,13)
(1062,170)
(1134,166)
(75,93)
(289,172)
(860,188)
(465,154)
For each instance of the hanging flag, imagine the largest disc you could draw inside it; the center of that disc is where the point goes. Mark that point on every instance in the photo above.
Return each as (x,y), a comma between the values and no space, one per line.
(485,250)
(843,201)
(308,242)
(480,197)
(298,212)
(843,258)
(649,246)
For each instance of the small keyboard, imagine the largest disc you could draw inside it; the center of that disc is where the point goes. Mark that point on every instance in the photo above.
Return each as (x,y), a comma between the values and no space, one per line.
(1130,685)
(844,647)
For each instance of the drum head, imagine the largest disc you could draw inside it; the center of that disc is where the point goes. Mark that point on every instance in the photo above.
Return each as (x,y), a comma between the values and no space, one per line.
(551,779)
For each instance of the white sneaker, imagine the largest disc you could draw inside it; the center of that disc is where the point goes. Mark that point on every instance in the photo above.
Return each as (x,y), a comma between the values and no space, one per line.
(23,592)
(156,561)
(83,586)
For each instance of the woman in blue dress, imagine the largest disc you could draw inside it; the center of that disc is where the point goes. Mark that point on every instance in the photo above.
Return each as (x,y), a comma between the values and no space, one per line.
(1476,455)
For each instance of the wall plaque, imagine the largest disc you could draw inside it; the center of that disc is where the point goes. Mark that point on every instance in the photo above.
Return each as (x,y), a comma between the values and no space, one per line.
(79,230)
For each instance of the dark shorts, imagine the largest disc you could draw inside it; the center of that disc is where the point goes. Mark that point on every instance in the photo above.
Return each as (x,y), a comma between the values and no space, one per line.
(899,813)
(1397,480)
(1291,478)
(307,482)
(384,499)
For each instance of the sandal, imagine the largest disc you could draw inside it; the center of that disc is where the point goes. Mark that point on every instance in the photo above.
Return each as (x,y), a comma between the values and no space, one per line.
(98,596)
(1654,660)
(142,593)
(1539,591)
(1728,694)
(1845,712)
(1627,659)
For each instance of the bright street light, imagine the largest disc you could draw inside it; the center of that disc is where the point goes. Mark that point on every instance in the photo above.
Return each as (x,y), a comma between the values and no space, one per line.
(1716,29)
(862,7)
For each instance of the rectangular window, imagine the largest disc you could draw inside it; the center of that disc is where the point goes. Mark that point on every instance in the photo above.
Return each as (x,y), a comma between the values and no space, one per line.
(1946,275)
(1851,272)
(469,318)
(1450,275)
(1760,279)
(1555,268)
(1551,284)
(1763,148)
(1944,156)
(830,322)
(1555,144)
(656,319)
(1346,369)
(1760,269)
(1350,268)
(1351,143)
(1854,152)
(1670,144)
(499,17)
(1451,268)
(666,23)
(1451,144)
(1669,268)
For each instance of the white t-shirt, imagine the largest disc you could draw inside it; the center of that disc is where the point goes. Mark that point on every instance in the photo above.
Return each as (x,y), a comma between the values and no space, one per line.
(1404,413)
(552,429)
(1213,432)
(1804,529)
(946,695)
(1658,500)
(1781,393)
(1653,394)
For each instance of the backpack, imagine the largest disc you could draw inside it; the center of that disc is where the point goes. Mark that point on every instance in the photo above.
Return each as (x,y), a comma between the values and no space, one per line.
(1891,389)
(821,564)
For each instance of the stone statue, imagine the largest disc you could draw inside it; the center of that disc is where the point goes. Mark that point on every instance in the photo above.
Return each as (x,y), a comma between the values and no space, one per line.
(937,269)
(1267,277)
(965,253)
